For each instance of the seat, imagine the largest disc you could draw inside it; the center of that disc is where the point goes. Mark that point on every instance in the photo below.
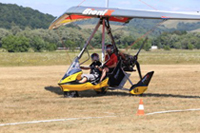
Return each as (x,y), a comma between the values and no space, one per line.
(116,76)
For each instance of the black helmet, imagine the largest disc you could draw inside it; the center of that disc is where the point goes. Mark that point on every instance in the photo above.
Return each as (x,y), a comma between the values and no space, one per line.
(95,57)
(110,48)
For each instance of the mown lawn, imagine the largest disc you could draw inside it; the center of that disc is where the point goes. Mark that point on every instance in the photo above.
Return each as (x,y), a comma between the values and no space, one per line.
(32,94)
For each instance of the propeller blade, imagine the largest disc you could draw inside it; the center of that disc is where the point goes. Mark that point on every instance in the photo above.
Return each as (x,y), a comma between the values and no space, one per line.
(142,46)
(138,68)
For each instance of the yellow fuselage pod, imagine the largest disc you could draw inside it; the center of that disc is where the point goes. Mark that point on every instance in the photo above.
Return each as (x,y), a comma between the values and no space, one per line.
(73,77)
(84,86)
(65,84)
(139,90)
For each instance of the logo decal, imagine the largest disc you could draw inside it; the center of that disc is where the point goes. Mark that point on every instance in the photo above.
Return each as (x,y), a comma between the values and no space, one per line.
(90,11)
(145,78)
(165,17)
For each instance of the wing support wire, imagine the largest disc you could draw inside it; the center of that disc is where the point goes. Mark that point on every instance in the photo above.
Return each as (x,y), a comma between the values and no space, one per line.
(105,25)
(89,39)
(63,44)
(147,33)
(103,40)
(108,28)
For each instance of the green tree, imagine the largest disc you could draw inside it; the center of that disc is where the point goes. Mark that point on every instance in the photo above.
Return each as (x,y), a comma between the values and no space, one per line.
(50,46)
(3,33)
(38,44)
(190,46)
(147,46)
(166,47)
(23,17)
(15,43)
(15,29)
(70,45)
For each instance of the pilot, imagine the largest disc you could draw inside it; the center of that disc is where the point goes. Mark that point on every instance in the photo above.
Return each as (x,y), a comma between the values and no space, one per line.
(94,71)
(111,61)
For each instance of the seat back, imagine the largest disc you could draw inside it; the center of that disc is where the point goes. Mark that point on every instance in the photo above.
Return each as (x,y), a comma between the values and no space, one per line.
(116,76)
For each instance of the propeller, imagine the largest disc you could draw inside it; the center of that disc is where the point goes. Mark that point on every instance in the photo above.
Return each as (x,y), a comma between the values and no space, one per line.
(136,57)
(138,68)
(142,46)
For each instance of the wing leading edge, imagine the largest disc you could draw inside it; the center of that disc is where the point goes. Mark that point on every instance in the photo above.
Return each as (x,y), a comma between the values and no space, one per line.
(118,15)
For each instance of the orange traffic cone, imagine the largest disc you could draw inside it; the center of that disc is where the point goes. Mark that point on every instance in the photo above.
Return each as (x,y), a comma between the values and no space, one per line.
(141,108)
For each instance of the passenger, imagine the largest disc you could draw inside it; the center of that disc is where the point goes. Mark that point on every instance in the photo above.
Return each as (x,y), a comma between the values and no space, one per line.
(111,63)
(94,71)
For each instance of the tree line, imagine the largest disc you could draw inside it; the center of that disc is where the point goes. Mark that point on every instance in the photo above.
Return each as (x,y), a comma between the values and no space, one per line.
(23,29)
(178,40)
(18,40)
(73,37)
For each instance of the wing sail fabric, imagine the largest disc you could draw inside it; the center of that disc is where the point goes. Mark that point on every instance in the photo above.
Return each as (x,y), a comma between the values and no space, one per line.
(118,15)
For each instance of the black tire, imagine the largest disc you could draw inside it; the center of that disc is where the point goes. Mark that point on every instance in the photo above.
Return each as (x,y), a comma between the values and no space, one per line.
(71,94)
(141,95)
(137,95)
(102,92)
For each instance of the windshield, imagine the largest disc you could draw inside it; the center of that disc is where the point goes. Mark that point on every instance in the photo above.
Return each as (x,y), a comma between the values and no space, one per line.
(74,68)
(75,65)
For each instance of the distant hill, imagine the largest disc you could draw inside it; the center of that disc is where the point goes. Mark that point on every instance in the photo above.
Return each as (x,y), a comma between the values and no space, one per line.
(137,27)
(197,30)
(12,14)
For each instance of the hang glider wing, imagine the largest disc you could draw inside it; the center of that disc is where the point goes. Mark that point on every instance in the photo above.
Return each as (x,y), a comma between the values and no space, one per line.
(118,15)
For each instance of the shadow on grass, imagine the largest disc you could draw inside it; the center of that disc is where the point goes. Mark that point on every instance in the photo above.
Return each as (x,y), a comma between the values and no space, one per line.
(54,89)
(168,95)
(92,93)
(154,95)
(87,93)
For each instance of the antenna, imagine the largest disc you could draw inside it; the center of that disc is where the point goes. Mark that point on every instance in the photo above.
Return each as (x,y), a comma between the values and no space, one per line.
(107,3)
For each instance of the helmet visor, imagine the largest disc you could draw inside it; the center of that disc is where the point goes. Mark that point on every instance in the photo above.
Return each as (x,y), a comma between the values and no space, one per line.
(95,57)
(109,49)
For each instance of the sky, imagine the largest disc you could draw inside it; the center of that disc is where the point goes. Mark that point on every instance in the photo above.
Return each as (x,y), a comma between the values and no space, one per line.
(57,7)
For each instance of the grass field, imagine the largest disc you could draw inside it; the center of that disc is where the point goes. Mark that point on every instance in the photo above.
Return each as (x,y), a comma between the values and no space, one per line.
(30,92)
(62,58)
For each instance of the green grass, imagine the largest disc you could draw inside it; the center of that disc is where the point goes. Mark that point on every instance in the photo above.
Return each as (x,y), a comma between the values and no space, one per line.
(170,57)
(62,58)
(35,59)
